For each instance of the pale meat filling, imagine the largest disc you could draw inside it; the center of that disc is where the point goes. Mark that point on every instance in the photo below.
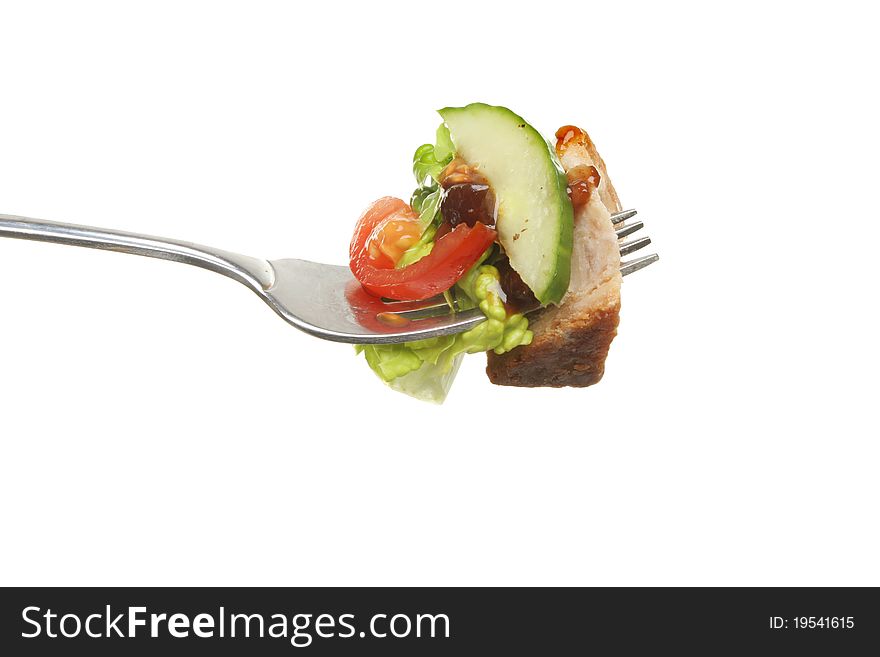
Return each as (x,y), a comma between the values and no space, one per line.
(595,263)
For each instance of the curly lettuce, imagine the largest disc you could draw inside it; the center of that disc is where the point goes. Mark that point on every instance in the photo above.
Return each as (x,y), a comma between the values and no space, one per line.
(430,159)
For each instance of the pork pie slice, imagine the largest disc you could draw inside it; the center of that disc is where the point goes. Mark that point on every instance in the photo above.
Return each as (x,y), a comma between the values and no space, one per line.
(572,339)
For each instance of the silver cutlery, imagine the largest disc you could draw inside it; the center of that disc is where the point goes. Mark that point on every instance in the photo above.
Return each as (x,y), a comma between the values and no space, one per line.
(323,300)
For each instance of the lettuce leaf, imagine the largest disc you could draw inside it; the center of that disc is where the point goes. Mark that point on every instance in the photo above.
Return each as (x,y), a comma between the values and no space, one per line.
(430,159)
(429,383)
(418,250)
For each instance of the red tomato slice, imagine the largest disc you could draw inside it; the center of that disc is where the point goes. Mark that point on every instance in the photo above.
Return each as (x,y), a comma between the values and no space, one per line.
(453,254)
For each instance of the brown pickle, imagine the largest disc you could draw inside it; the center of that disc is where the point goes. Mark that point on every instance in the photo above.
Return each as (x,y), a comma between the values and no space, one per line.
(467,196)
(519,296)
(468,203)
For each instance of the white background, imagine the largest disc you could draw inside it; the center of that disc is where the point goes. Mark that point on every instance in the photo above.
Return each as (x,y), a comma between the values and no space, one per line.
(159,425)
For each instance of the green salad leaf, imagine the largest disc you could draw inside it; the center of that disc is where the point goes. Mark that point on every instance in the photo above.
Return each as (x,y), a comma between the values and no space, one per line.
(418,250)
(444,149)
(429,209)
(429,382)
(430,159)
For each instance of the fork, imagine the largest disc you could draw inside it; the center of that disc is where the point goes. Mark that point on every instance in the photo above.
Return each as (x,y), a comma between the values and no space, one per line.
(323,300)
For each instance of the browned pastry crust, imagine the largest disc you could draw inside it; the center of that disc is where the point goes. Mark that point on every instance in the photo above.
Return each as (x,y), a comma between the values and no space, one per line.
(574,355)
(571,340)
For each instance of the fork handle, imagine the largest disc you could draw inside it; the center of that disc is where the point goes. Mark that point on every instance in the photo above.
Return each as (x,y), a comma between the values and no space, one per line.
(253,272)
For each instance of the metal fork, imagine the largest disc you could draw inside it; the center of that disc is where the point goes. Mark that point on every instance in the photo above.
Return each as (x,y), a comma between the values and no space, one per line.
(322,300)
(625,230)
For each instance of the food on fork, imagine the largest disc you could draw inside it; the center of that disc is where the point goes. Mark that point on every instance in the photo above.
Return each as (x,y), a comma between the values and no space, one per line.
(572,339)
(503,221)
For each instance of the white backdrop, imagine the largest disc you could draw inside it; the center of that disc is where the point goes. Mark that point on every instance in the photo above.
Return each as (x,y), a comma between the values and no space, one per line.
(159,425)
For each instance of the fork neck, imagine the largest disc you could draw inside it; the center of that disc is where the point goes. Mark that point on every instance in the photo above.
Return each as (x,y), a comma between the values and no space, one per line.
(253,272)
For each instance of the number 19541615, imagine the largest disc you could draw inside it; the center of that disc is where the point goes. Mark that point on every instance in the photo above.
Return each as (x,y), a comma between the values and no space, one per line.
(813,622)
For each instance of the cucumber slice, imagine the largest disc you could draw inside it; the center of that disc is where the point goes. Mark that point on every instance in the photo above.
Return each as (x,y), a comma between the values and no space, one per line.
(535,218)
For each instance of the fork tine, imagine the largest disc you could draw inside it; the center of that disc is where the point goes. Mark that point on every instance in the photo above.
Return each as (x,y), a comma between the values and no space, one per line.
(638,263)
(629,229)
(634,245)
(619,217)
